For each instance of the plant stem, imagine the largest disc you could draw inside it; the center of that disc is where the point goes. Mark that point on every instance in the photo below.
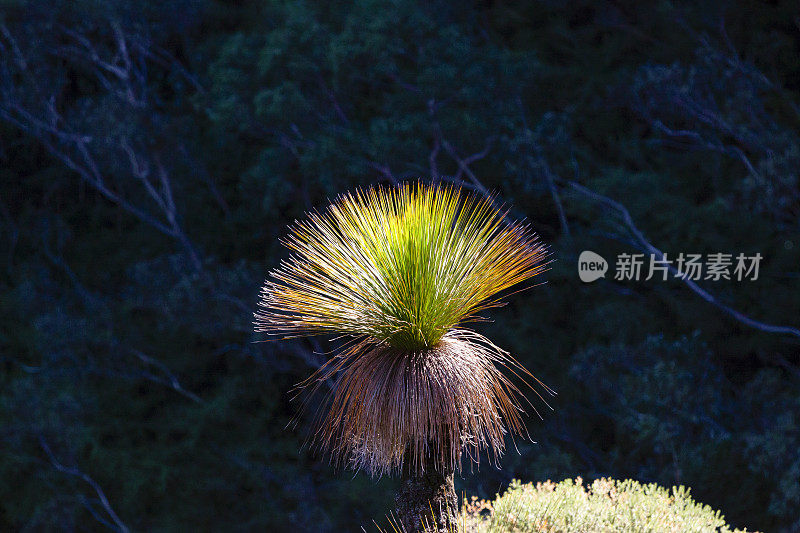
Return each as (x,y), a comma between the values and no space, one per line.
(427,501)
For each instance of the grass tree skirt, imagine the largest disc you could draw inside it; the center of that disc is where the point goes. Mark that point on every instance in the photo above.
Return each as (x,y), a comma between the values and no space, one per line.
(426,501)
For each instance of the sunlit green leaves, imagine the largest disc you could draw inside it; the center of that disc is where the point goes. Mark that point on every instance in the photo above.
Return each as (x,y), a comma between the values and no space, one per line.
(402,265)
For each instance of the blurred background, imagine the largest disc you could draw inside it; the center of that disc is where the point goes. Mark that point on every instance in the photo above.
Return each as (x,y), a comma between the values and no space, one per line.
(153,152)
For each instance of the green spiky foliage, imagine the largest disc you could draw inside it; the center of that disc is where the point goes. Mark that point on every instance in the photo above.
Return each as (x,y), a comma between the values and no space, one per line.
(400,270)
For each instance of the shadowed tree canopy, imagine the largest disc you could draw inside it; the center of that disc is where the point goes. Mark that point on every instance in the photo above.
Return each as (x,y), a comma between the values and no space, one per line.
(153,153)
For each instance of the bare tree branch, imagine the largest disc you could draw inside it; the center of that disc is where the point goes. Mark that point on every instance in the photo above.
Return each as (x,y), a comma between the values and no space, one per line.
(463,166)
(333,100)
(78,152)
(648,247)
(86,295)
(437,143)
(170,378)
(548,174)
(728,150)
(72,471)
(385,171)
(17,53)
(540,163)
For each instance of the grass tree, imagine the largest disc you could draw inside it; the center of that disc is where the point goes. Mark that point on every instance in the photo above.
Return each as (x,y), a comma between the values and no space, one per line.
(398,272)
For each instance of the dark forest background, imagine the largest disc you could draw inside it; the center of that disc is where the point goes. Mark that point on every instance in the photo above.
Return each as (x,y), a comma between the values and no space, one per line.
(152,153)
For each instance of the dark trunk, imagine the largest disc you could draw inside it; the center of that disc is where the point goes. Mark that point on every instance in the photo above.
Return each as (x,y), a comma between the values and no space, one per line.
(427,502)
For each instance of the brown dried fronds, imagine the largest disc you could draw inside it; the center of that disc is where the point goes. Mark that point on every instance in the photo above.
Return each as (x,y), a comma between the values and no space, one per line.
(392,408)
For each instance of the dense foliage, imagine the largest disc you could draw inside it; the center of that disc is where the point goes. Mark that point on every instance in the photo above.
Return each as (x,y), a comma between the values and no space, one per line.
(605,505)
(152,154)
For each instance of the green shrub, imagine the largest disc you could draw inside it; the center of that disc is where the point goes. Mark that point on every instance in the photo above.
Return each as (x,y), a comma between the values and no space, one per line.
(605,505)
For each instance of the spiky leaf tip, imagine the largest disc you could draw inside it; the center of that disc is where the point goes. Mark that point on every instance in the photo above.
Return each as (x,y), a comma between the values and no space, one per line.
(398,265)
